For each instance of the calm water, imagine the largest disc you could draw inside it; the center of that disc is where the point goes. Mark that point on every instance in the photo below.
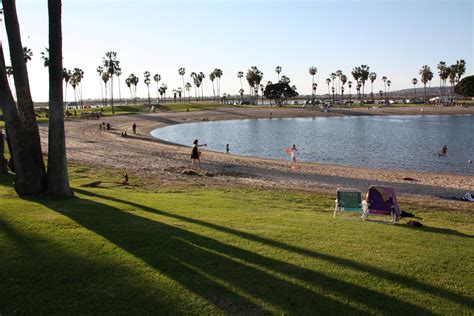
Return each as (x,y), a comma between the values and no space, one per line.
(391,142)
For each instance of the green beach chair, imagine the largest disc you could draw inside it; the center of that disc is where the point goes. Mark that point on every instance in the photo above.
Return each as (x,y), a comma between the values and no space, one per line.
(348,200)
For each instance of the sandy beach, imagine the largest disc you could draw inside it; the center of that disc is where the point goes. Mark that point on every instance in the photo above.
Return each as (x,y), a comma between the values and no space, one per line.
(161,163)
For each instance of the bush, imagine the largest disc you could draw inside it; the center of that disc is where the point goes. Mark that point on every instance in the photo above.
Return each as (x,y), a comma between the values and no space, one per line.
(465,87)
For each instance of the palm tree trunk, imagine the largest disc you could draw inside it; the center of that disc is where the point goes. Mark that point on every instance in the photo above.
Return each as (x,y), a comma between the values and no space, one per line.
(120,92)
(425,93)
(57,178)
(101,91)
(149,101)
(31,179)
(112,93)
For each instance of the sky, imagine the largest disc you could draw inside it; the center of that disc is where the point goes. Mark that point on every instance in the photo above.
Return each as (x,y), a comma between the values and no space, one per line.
(394,38)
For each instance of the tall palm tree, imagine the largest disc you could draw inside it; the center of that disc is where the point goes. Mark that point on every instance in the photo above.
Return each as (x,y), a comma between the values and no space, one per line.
(180,92)
(45,57)
(461,69)
(182,72)
(338,75)
(163,89)
(262,88)
(240,74)
(218,74)
(426,76)
(241,92)
(343,82)
(57,181)
(349,84)
(278,71)
(66,77)
(333,77)
(328,82)
(157,79)
(372,77)
(364,76)
(134,81)
(188,87)
(414,81)
(453,70)
(314,88)
(147,81)
(9,73)
(193,76)
(118,73)
(111,65)
(384,79)
(78,74)
(105,78)
(388,87)
(442,72)
(100,70)
(27,54)
(212,77)
(201,78)
(356,73)
(312,72)
(254,77)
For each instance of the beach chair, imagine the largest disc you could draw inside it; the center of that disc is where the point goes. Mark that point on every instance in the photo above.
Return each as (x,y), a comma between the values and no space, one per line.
(381,200)
(348,200)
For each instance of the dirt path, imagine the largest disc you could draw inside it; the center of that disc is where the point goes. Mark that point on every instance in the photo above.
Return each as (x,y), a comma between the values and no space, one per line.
(166,163)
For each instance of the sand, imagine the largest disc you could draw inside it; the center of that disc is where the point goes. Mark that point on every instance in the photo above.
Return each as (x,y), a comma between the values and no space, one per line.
(161,163)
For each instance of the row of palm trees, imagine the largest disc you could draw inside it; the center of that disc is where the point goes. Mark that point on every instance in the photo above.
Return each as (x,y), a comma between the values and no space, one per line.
(453,72)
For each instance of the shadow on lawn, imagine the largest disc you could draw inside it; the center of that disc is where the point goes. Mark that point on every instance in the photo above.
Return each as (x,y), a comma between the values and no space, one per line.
(219,272)
(340,288)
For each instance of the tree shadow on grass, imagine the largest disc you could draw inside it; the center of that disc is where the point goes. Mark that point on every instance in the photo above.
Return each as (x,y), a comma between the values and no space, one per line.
(39,276)
(342,288)
(231,278)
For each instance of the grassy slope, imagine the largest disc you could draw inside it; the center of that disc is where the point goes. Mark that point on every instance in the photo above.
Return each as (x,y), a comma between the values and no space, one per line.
(197,250)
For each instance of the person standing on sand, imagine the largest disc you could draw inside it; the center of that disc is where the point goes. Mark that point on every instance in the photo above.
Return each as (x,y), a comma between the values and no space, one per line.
(196,154)
(227,148)
(293,152)
(134,128)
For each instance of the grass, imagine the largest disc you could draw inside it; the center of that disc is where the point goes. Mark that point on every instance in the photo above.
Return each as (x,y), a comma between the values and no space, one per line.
(196,250)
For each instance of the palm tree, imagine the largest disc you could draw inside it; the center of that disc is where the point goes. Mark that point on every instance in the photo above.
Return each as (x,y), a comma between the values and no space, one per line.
(118,73)
(241,92)
(314,88)
(364,76)
(157,79)
(356,73)
(343,82)
(67,74)
(338,75)
(111,65)
(262,88)
(57,180)
(328,81)
(426,75)
(254,77)
(278,70)
(349,84)
(135,81)
(180,92)
(147,81)
(333,77)
(442,72)
(201,78)
(453,70)
(388,87)
(384,79)
(414,81)
(218,74)
(9,73)
(212,76)
(45,57)
(240,74)
(78,74)
(285,79)
(27,54)
(193,76)
(372,77)
(163,89)
(312,72)
(182,72)
(100,70)
(105,78)
(188,87)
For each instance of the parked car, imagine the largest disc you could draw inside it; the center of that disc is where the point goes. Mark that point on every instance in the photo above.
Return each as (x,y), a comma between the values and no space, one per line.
(245,102)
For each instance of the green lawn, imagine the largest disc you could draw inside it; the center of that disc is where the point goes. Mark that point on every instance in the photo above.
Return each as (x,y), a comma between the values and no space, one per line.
(183,250)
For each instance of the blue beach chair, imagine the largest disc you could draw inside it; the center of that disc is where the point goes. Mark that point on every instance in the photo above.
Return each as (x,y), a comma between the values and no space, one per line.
(348,200)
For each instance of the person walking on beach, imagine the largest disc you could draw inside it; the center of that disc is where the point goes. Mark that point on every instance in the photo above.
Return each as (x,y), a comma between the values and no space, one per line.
(196,154)
(227,148)
(134,128)
(293,152)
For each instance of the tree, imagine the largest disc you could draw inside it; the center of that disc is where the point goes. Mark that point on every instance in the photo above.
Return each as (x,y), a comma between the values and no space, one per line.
(312,72)
(162,90)
(443,75)
(188,87)
(384,79)
(212,77)
(372,77)
(414,81)
(111,65)
(182,72)
(218,74)
(465,87)
(254,77)
(426,75)
(20,120)
(279,91)
(45,57)
(388,86)
(78,75)
(343,82)
(338,75)
(453,70)
(240,74)
(57,178)
(262,88)
(66,77)
(241,92)
(328,82)
(349,84)
(100,71)
(27,54)
(105,78)
(147,81)
(278,71)
(201,77)
(118,73)
(364,76)
(157,79)
(285,79)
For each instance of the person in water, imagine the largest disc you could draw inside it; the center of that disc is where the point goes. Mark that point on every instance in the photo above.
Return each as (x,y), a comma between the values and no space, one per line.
(444,150)
(196,154)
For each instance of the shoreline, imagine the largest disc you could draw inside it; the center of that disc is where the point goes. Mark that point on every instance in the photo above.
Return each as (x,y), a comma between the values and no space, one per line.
(164,163)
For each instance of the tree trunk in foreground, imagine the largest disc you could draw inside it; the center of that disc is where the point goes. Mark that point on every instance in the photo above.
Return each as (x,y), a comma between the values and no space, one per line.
(22,127)
(57,178)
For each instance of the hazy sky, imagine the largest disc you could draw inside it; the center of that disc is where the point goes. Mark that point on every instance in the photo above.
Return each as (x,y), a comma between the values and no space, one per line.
(395,38)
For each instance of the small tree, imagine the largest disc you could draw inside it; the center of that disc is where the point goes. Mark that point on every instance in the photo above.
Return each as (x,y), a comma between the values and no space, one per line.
(280,92)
